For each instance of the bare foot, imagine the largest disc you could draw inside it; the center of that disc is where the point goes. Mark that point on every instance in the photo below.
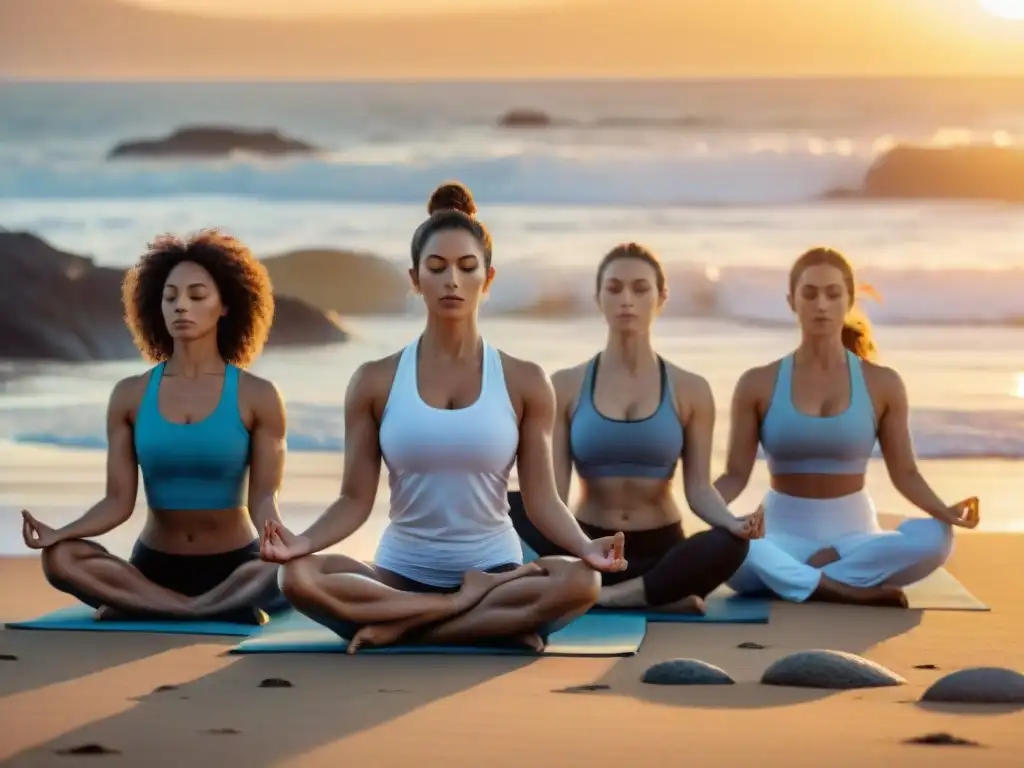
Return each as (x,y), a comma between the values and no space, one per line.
(824,557)
(375,636)
(835,592)
(531,640)
(693,605)
(476,584)
(106,613)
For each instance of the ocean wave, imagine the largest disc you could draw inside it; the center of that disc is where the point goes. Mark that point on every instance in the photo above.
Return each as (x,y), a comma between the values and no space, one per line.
(752,294)
(767,170)
(319,427)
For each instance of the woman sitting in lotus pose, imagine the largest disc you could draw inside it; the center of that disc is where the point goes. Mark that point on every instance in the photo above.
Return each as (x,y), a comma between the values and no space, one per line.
(448,415)
(195,424)
(625,418)
(818,413)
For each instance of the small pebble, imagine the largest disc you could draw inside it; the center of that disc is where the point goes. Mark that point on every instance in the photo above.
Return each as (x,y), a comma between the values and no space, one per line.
(833,670)
(942,740)
(275,682)
(8,657)
(88,749)
(223,731)
(686,672)
(164,688)
(925,666)
(752,646)
(978,685)
(583,688)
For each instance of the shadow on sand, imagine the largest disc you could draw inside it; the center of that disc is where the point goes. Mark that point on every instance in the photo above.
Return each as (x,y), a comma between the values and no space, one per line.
(331,697)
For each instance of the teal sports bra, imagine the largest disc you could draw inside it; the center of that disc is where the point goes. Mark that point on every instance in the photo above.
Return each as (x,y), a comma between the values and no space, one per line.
(797,444)
(193,466)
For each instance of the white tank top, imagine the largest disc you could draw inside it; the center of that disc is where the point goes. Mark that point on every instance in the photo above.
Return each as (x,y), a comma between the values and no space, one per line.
(448,474)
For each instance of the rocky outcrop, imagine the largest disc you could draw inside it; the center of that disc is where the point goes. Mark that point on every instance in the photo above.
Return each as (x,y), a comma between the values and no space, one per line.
(344,282)
(965,173)
(525,118)
(212,142)
(61,306)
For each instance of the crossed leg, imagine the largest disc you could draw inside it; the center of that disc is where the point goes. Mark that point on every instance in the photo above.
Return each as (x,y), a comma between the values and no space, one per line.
(350,598)
(114,586)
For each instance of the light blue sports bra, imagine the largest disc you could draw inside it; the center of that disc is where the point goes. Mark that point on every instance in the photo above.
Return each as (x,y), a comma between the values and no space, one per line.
(192,466)
(797,444)
(604,447)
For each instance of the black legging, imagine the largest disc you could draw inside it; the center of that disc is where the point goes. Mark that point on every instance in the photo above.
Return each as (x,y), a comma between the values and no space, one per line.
(672,565)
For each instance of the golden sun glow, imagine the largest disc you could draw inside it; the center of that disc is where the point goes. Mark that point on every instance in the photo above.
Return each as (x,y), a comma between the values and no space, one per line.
(1007,9)
(1020,385)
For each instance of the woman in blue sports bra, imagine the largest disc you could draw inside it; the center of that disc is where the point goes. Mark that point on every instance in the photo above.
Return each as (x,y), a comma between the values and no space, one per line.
(818,413)
(196,425)
(625,419)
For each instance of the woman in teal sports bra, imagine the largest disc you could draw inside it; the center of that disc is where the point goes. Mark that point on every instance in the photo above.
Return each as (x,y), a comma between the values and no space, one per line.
(625,419)
(818,413)
(196,425)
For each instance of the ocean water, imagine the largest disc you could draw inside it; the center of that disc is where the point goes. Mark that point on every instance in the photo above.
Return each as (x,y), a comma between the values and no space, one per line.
(726,180)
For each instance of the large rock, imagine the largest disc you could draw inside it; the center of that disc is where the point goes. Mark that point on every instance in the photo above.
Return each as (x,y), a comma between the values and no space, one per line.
(525,118)
(978,685)
(966,172)
(341,281)
(835,670)
(208,141)
(60,306)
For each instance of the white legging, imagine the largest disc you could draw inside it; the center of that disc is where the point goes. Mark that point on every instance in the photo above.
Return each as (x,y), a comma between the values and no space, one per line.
(796,528)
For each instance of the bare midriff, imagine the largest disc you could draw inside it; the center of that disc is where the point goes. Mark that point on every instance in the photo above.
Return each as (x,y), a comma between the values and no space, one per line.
(198,531)
(817,486)
(628,504)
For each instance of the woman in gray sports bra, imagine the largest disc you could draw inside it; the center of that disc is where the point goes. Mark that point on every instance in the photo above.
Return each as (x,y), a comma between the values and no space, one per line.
(625,418)
(818,414)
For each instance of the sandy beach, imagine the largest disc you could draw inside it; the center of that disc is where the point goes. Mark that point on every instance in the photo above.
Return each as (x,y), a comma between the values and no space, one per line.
(69,689)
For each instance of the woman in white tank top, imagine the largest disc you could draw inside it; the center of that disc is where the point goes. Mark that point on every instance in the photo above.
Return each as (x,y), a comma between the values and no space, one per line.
(449,415)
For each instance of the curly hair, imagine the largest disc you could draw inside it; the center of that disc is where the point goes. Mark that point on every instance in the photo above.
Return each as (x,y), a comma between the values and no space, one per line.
(242,281)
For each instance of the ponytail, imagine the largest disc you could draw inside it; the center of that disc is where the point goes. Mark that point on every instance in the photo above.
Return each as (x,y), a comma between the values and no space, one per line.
(858,336)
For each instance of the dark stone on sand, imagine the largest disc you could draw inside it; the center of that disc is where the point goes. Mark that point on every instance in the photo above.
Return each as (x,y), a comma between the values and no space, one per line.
(979,172)
(589,688)
(978,685)
(56,305)
(211,141)
(165,688)
(942,740)
(525,118)
(223,731)
(925,666)
(88,749)
(751,646)
(834,670)
(686,672)
(275,682)
(8,657)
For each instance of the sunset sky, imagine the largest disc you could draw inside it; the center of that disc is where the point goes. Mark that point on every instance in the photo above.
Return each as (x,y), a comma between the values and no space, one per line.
(283,39)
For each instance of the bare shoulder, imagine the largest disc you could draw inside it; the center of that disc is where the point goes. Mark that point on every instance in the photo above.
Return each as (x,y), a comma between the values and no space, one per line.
(127,394)
(262,393)
(882,379)
(567,381)
(371,382)
(687,384)
(525,377)
(758,383)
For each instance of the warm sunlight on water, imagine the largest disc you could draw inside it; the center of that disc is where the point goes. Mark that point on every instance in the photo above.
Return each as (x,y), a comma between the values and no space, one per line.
(1008,9)
(1019,390)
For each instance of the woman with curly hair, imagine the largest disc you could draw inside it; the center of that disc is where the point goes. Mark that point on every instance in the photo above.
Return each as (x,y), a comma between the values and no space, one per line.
(195,424)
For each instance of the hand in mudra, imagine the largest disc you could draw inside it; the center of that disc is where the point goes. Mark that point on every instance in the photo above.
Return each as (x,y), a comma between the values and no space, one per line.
(607,554)
(279,545)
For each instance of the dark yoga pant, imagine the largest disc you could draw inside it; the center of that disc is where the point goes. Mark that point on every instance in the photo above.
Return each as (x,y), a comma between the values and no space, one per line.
(672,566)
(189,575)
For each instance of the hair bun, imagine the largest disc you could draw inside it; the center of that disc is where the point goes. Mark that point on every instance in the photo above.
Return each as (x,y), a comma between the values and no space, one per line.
(452,196)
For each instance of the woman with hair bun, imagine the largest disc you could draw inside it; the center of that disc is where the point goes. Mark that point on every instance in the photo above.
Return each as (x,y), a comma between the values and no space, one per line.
(449,415)
(818,413)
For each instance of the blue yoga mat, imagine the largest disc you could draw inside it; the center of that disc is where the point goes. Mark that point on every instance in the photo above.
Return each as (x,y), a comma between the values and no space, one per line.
(721,610)
(80,618)
(591,635)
